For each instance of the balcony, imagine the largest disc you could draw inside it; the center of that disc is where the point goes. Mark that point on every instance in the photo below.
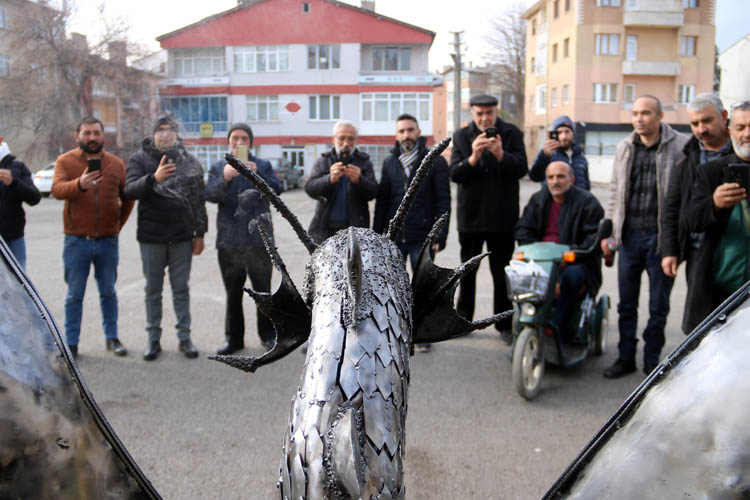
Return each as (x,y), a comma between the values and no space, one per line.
(651,68)
(653,13)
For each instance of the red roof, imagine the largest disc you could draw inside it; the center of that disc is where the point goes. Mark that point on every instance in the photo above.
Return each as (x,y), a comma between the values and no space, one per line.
(282,22)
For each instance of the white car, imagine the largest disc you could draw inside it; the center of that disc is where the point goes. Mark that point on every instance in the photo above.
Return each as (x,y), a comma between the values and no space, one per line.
(43,179)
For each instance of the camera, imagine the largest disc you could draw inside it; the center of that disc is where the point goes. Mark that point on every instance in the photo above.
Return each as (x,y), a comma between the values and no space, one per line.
(554,135)
(95,164)
(490,132)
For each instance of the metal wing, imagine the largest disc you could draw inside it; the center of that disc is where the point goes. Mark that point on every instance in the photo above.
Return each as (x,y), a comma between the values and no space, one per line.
(55,441)
(287,311)
(683,433)
(435,316)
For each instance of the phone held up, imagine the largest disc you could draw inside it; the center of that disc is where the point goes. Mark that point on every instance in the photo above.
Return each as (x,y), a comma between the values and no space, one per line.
(554,135)
(490,132)
(739,173)
(95,164)
(243,153)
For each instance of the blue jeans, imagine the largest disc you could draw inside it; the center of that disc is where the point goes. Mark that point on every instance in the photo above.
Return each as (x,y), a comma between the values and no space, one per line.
(79,253)
(155,258)
(638,253)
(18,248)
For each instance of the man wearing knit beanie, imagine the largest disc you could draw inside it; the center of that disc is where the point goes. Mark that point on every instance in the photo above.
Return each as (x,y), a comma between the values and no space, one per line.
(561,146)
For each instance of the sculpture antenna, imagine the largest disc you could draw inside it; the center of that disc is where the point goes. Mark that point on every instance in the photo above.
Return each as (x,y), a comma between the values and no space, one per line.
(397,223)
(274,199)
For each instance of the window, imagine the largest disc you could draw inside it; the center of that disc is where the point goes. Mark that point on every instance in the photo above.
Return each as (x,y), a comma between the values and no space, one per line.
(631,48)
(690,4)
(607,44)
(377,155)
(533,26)
(556,9)
(567,5)
(261,58)
(553,97)
(565,98)
(305,7)
(325,107)
(687,46)
(541,99)
(685,93)
(387,107)
(4,65)
(554,53)
(192,111)
(262,108)
(3,18)
(628,95)
(207,155)
(391,59)
(605,92)
(608,3)
(533,65)
(196,62)
(323,56)
(566,47)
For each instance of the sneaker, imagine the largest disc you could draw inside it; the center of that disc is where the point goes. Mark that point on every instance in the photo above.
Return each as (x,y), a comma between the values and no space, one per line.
(423,347)
(619,369)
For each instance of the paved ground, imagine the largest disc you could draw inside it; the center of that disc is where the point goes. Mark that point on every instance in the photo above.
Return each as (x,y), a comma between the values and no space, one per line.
(200,430)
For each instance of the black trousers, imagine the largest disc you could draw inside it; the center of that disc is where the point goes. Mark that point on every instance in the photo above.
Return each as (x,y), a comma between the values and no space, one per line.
(500,245)
(237,264)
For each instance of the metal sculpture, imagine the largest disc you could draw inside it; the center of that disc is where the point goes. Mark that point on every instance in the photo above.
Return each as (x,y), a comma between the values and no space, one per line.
(683,433)
(54,440)
(346,432)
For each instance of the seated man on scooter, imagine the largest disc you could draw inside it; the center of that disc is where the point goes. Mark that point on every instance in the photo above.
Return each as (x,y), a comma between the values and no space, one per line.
(568,215)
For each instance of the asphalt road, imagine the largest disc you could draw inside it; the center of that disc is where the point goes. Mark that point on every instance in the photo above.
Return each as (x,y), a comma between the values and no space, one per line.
(201,430)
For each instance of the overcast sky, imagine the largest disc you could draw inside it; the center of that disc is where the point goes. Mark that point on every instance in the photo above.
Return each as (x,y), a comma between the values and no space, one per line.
(151,18)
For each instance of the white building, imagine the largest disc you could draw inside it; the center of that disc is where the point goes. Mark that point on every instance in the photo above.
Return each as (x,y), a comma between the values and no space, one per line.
(290,69)
(735,78)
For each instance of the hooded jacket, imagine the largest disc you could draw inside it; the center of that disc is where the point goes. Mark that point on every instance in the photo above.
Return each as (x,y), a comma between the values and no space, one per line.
(578,161)
(171,211)
(96,212)
(22,189)
(433,198)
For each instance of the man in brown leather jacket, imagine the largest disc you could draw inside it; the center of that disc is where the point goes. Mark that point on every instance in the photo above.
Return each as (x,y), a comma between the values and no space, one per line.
(92,183)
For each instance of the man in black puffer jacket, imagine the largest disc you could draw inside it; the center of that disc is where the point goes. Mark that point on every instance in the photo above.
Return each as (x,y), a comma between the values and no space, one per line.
(433,197)
(16,187)
(168,182)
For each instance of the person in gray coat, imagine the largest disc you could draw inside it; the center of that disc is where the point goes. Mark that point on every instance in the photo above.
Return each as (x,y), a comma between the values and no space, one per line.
(640,177)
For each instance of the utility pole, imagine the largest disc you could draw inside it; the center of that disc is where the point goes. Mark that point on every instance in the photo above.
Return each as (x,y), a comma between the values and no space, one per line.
(457,74)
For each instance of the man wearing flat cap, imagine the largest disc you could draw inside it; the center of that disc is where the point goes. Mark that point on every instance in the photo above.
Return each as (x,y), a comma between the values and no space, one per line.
(487,161)
(168,183)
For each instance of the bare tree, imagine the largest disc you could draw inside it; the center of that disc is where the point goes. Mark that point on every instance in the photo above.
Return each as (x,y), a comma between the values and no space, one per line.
(507,39)
(55,77)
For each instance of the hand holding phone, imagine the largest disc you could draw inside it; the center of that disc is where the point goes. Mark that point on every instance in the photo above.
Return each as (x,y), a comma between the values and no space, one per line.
(554,135)
(243,153)
(166,169)
(490,132)
(95,164)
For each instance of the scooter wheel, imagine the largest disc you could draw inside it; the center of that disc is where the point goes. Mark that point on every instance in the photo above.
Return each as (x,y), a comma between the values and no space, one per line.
(528,363)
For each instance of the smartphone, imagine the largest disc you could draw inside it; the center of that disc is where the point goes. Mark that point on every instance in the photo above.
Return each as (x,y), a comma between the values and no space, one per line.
(243,154)
(554,135)
(95,164)
(170,158)
(739,173)
(490,132)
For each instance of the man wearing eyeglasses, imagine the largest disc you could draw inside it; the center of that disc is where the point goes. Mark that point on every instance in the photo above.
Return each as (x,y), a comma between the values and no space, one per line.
(720,207)
(343,181)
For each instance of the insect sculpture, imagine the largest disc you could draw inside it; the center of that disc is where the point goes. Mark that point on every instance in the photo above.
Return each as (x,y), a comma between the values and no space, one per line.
(346,432)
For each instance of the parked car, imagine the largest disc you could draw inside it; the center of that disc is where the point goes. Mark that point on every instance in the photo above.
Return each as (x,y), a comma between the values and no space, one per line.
(289,175)
(43,179)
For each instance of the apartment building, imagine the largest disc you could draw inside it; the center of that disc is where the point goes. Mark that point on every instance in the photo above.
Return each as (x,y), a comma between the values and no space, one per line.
(590,59)
(291,68)
(735,79)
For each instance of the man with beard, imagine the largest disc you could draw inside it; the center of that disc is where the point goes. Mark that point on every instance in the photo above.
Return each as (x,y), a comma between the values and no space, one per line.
(561,146)
(239,245)
(720,208)
(487,161)
(433,198)
(168,182)
(566,214)
(708,122)
(343,181)
(92,183)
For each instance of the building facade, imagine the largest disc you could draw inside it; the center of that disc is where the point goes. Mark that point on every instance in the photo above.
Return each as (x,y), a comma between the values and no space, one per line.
(590,59)
(291,69)
(735,79)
